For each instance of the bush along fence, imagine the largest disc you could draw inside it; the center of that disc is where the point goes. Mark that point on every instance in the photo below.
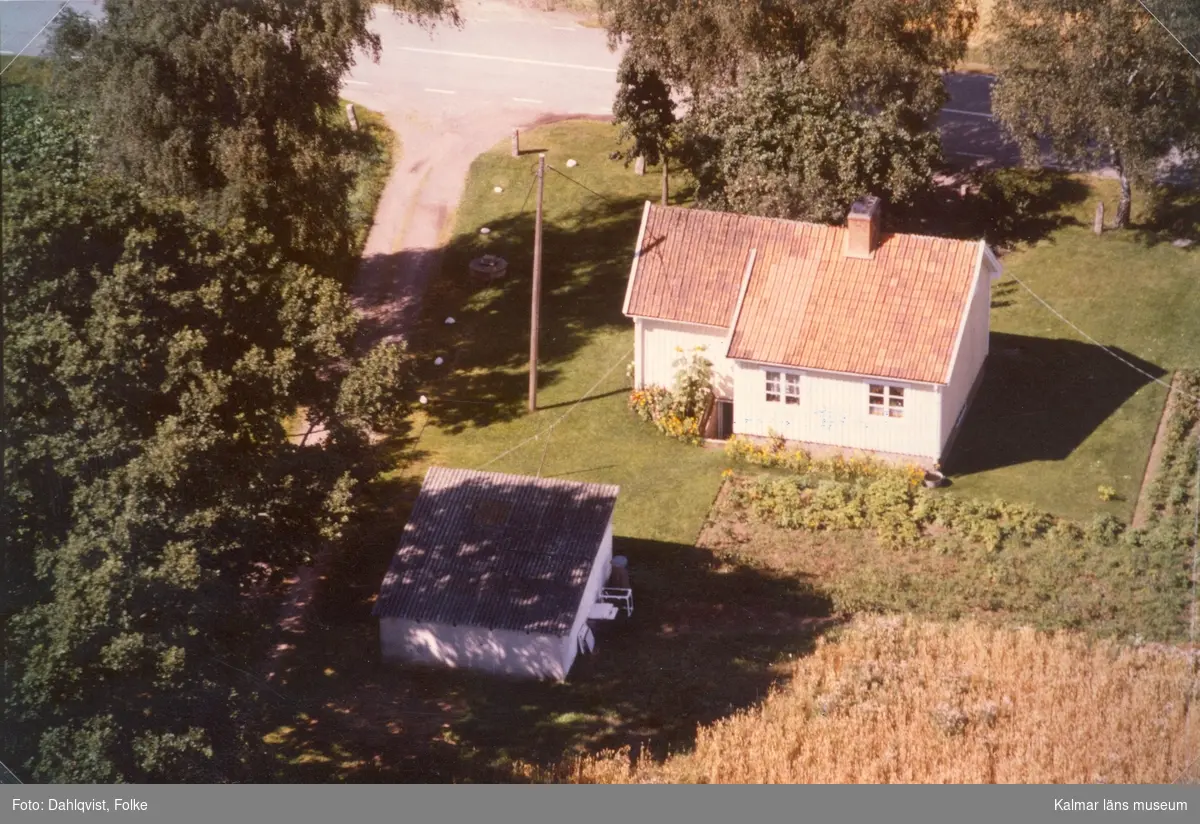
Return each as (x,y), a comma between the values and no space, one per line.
(679,412)
(1173,489)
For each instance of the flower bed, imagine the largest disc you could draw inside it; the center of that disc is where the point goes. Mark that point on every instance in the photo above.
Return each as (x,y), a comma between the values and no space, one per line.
(680,413)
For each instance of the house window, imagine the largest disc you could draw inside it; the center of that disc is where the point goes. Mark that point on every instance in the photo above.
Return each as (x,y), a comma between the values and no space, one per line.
(791,389)
(783,385)
(772,387)
(886,401)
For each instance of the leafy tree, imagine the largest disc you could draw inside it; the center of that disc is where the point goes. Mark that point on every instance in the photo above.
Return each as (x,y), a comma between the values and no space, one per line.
(233,105)
(781,146)
(150,356)
(1100,80)
(644,110)
(870,52)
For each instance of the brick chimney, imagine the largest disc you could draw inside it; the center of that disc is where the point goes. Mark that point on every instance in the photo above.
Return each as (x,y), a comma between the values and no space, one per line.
(863,227)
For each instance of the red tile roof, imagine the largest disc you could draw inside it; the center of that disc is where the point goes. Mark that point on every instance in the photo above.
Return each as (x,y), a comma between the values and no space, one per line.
(806,304)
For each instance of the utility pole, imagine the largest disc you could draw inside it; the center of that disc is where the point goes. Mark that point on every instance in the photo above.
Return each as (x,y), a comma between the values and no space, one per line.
(535,315)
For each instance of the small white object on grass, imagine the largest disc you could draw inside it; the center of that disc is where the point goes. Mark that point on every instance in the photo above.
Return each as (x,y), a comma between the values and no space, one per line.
(438,361)
(449,321)
(424,399)
(571,164)
(498,189)
(484,230)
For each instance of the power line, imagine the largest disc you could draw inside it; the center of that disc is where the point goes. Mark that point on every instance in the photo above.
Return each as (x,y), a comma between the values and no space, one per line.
(561,417)
(1168,31)
(529,191)
(35,37)
(580,185)
(7,776)
(1092,340)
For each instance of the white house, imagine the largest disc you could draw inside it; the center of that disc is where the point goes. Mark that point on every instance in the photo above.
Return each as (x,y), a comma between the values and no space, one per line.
(500,573)
(840,336)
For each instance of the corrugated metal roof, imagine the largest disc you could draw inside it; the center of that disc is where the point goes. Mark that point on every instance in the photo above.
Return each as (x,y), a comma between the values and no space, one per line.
(498,551)
(807,304)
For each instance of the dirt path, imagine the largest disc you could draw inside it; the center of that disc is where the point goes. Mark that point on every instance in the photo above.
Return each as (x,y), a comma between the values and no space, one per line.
(1141,512)
(414,218)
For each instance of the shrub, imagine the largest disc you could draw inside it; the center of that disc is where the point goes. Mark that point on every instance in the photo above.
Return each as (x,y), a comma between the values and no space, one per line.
(1105,529)
(1107,493)
(677,414)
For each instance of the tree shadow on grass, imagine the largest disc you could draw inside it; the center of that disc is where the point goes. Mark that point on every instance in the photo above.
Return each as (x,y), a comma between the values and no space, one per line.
(483,378)
(1040,399)
(707,638)
(1172,216)
(1002,206)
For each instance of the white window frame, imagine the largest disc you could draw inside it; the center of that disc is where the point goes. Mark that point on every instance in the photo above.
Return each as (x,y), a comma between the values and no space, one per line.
(774,381)
(782,387)
(885,400)
(791,389)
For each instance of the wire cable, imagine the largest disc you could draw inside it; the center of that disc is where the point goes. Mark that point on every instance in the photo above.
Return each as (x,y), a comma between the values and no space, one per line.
(577,183)
(1095,342)
(1168,31)
(35,37)
(561,417)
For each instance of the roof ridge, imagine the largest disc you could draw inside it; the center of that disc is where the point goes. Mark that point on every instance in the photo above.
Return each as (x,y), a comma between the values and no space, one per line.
(792,222)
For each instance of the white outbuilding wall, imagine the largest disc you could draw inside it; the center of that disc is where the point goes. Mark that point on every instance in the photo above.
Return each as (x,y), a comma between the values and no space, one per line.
(596,581)
(501,652)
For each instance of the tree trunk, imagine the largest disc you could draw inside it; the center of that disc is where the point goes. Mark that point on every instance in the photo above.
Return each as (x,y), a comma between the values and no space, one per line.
(1121,220)
(665,188)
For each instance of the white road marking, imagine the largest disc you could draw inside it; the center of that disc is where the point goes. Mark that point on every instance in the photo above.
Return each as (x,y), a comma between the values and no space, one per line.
(527,100)
(441,91)
(972,114)
(510,59)
(357,82)
(566,28)
(970,154)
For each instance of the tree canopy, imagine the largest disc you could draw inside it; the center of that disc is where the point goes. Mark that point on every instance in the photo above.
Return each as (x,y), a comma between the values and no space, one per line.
(149,362)
(171,298)
(643,109)
(1100,80)
(869,52)
(781,146)
(231,105)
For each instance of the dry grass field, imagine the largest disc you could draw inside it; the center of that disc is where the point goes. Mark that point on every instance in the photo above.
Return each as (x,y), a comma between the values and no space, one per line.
(897,700)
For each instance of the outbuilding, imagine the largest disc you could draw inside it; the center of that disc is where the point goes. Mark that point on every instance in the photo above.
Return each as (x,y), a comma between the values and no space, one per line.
(501,573)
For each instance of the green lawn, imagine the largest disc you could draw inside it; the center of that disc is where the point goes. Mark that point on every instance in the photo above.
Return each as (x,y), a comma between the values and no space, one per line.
(1057,416)
(477,399)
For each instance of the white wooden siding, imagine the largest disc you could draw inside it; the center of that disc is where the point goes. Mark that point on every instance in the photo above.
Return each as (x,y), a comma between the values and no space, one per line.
(502,652)
(657,348)
(601,569)
(971,354)
(833,410)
